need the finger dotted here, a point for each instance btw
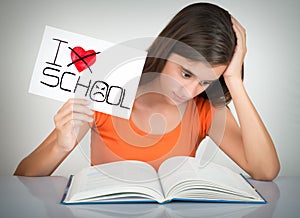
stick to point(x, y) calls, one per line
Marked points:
point(240, 33)
point(73, 124)
point(73, 117)
point(61, 119)
point(74, 105)
point(82, 109)
point(236, 22)
point(81, 117)
point(74, 101)
point(81, 101)
point(238, 28)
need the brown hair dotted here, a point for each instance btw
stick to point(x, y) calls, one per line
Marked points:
point(207, 29)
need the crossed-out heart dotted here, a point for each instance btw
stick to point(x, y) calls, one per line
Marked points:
point(82, 59)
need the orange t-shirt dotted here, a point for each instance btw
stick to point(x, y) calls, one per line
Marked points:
point(114, 139)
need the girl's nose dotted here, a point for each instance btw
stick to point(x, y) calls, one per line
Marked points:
point(191, 89)
point(194, 88)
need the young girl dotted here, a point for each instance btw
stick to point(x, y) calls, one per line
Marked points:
point(178, 103)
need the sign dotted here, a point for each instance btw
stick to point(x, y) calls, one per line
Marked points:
point(70, 65)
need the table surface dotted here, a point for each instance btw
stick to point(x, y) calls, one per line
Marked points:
point(41, 196)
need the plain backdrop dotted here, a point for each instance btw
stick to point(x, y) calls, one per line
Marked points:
point(271, 66)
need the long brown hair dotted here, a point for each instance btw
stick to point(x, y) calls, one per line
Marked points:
point(207, 29)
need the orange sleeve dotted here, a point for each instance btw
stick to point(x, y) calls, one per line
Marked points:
point(99, 119)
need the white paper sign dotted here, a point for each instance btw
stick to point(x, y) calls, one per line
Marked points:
point(70, 65)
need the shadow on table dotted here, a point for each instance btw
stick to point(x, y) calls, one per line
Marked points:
point(48, 191)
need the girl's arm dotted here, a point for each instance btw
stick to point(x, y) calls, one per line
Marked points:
point(71, 124)
point(249, 144)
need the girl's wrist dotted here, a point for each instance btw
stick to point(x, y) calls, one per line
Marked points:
point(62, 150)
point(235, 85)
point(233, 81)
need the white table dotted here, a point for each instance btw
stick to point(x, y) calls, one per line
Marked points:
point(40, 197)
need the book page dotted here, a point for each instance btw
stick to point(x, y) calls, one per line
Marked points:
point(183, 177)
point(116, 180)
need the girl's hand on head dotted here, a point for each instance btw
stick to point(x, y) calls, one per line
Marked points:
point(234, 68)
point(73, 116)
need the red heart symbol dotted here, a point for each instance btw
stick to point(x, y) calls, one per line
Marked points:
point(82, 59)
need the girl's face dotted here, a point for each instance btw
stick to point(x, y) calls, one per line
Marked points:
point(182, 79)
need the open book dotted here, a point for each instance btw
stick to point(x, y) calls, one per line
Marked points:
point(179, 178)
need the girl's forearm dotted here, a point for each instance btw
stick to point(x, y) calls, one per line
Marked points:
point(258, 145)
point(43, 160)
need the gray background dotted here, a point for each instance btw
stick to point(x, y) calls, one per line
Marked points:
point(272, 66)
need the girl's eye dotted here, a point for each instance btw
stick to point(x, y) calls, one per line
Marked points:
point(204, 83)
point(185, 74)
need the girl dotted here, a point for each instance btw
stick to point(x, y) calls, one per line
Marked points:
point(193, 70)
